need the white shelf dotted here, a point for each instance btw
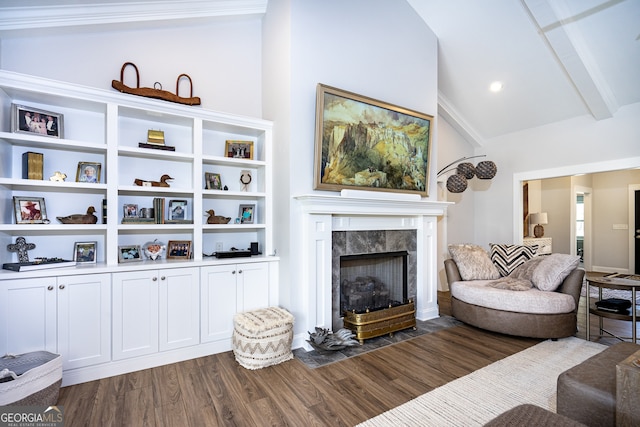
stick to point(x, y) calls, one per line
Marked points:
point(42, 185)
point(105, 126)
point(35, 141)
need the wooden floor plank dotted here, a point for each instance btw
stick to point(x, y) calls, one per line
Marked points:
point(216, 391)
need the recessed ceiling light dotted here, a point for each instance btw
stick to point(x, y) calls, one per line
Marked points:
point(496, 87)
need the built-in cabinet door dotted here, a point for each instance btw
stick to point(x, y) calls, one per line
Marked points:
point(28, 315)
point(227, 290)
point(84, 320)
point(179, 314)
point(135, 313)
point(253, 286)
point(218, 302)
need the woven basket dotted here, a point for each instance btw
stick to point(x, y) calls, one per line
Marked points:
point(30, 379)
point(456, 183)
point(467, 169)
point(486, 169)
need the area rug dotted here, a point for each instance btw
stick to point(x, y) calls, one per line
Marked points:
point(529, 376)
point(316, 359)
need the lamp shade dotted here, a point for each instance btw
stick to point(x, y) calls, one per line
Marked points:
point(456, 183)
point(467, 169)
point(539, 218)
point(486, 169)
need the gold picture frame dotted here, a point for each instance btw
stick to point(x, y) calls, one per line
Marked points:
point(89, 172)
point(239, 149)
point(365, 144)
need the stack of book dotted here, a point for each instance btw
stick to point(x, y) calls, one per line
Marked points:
point(158, 210)
point(155, 140)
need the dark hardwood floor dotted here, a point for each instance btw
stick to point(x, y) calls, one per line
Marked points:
point(215, 390)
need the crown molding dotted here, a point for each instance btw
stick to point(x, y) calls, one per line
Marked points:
point(57, 16)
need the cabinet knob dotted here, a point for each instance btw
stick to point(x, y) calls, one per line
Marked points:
point(233, 272)
point(49, 288)
point(61, 286)
point(239, 271)
point(162, 278)
point(155, 279)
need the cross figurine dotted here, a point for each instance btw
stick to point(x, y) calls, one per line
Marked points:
point(21, 247)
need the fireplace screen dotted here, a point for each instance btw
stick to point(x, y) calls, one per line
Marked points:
point(370, 282)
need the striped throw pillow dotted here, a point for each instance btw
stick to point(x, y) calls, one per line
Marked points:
point(507, 257)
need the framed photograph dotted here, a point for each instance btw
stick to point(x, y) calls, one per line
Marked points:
point(177, 210)
point(85, 252)
point(179, 249)
point(213, 180)
point(88, 172)
point(35, 121)
point(30, 210)
point(129, 253)
point(246, 213)
point(365, 144)
point(239, 149)
point(130, 211)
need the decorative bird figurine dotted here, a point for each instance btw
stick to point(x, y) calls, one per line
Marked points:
point(216, 219)
point(162, 183)
point(88, 218)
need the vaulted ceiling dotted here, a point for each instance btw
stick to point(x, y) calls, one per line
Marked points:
point(556, 59)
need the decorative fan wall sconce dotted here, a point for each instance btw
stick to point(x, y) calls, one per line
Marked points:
point(457, 182)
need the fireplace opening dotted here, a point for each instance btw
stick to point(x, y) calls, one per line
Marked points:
point(373, 281)
point(373, 294)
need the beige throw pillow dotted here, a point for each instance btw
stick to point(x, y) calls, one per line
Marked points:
point(473, 262)
point(547, 272)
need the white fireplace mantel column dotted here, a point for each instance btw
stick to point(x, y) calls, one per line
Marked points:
point(321, 215)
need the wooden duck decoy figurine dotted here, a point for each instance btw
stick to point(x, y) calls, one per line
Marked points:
point(162, 183)
point(88, 218)
point(216, 219)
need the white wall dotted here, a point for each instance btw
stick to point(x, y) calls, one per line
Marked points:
point(564, 146)
point(223, 59)
point(377, 48)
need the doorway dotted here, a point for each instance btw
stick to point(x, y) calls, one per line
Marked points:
point(581, 217)
point(634, 224)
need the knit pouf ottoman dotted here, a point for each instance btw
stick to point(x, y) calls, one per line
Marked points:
point(262, 337)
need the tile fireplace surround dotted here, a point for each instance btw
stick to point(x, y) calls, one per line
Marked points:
point(351, 211)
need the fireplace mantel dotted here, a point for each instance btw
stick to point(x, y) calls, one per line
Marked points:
point(323, 214)
point(385, 204)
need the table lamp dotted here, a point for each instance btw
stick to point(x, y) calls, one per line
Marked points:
point(538, 219)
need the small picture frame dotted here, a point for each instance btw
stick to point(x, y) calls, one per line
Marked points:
point(179, 249)
point(213, 181)
point(30, 210)
point(85, 252)
point(178, 210)
point(88, 172)
point(129, 253)
point(246, 213)
point(36, 122)
point(239, 149)
point(130, 211)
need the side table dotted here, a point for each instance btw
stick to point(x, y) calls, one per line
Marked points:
point(608, 281)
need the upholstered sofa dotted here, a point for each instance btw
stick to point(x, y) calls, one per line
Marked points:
point(534, 296)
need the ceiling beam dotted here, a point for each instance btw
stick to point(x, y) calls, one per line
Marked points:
point(447, 111)
point(573, 54)
point(23, 18)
